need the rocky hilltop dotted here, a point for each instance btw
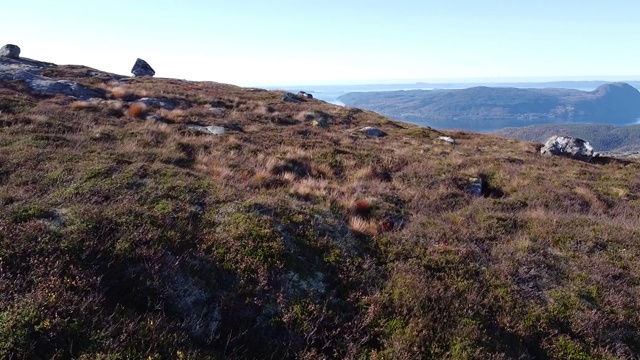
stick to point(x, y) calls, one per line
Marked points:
point(492, 108)
point(155, 218)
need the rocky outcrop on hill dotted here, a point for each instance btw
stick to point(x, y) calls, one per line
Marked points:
point(142, 68)
point(10, 51)
point(567, 146)
point(30, 71)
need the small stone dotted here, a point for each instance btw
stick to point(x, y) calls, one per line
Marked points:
point(373, 132)
point(209, 130)
point(305, 95)
point(289, 97)
point(10, 51)
point(447, 139)
point(142, 68)
point(476, 186)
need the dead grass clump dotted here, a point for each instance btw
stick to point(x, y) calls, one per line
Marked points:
point(310, 187)
point(175, 115)
point(372, 173)
point(360, 226)
point(136, 110)
point(79, 105)
point(119, 92)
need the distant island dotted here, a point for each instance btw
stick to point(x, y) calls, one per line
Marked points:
point(485, 108)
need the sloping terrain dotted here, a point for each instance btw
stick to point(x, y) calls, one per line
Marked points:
point(491, 108)
point(126, 233)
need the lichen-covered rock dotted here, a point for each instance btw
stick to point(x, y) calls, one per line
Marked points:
point(570, 147)
point(209, 130)
point(289, 97)
point(62, 87)
point(447, 139)
point(157, 103)
point(373, 132)
point(476, 186)
point(305, 95)
point(10, 51)
point(142, 68)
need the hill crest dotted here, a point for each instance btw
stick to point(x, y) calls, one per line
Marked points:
point(126, 232)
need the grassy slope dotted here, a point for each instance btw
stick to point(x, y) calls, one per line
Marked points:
point(130, 238)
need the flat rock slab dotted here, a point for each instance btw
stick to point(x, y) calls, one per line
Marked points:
point(209, 130)
point(30, 72)
point(158, 103)
point(447, 139)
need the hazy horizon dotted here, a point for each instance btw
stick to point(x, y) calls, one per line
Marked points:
point(515, 80)
point(287, 42)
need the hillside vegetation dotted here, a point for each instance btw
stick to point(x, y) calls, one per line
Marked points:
point(491, 108)
point(125, 234)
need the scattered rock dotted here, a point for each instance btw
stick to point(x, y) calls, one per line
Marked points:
point(569, 147)
point(305, 95)
point(54, 219)
point(209, 130)
point(373, 132)
point(476, 186)
point(157, 103)
point(289, 97)
point(621, 154)
point(447, 139)
point(64, 87)
point(322, 122)
point(142, 68)
point(218, 112)
point(10, 51)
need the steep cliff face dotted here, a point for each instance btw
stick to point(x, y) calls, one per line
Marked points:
point(161, 218)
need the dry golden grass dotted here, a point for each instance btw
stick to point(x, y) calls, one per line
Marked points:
point(361, 226)
point(119, 92)
point(136, 110)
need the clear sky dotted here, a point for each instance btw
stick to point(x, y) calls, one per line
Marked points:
point(282, 42)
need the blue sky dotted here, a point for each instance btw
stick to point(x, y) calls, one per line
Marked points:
point(282, 42)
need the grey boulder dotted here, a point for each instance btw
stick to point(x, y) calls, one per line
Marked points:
point(289, 97)
point(476, 186)
point(570, 147)
point(373, 132)
point(142, 68)
point(10, 51)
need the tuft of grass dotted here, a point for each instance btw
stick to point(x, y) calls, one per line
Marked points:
point(136, 110)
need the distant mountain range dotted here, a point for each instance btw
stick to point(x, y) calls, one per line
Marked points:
point(486, 108)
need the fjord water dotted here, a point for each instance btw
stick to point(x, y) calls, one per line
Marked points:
point(330, 93)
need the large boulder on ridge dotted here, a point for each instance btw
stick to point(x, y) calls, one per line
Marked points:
point(10, 51)
point(142, 68)
point(574, 148)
